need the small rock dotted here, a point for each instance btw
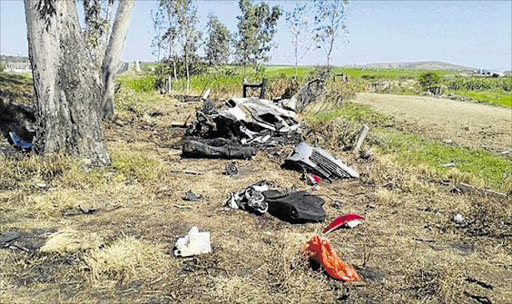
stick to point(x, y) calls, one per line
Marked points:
point(458, 219)
point(447, 141)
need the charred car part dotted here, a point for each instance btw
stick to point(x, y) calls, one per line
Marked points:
point(216, 149)
point(319, 162)
point(250, 121)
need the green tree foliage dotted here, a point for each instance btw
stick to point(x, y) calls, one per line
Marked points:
point(429, 79)
point(329, 24)
point(181, 34)
point(298, 21)
point(159, 27)
point(217, 45)
point(256, 29)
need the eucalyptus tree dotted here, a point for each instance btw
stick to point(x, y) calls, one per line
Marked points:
point(257, 26)
point(70, 90)
point(330, 17)
point(218, 41)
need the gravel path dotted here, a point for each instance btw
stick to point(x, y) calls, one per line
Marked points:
point(467, 124)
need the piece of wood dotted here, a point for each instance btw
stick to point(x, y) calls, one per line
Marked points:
point(169, 85)
point(177, 124)
point(191, 172)
point(205, 94)
point(360, 138)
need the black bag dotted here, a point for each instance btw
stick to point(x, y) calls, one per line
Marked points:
point(295, 207)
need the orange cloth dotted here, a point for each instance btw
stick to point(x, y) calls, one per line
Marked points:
point(321, 251)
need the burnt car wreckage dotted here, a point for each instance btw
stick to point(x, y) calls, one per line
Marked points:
point(243, 126)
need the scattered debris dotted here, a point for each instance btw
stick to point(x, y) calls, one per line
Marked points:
point(319, 162)
point(350, 220)
point(320, 250)
point(20, 143)
point(194, 243)
point(191, 172)
point(250, 199)
point(311, 180)
point(294, 207)
point(182, 206)
point(336, 205)
point(190, 196)
point(458, 219)
point(360, 138)
point(231, 169)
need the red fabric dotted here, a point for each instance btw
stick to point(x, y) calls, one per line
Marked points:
point(321, 251)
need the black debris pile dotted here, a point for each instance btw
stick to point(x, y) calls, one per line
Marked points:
point(243, 126)
point(293, 207)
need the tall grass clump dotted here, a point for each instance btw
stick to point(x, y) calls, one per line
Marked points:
point(480, 83)
point(145, 83)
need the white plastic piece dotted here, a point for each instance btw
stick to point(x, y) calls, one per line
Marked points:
point(353, 223)
point(458, 219)
point(194, 243)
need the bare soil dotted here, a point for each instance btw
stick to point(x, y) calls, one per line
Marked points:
point(464, 123)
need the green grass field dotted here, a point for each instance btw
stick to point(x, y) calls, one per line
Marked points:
point(478, 166)
point(495, 97)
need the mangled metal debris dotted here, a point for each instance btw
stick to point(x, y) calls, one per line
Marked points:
point(250, 199)
point(319, 162)
point(244, 124)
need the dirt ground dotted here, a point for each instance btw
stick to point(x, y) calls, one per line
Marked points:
point(408, 250)
point(468, 124)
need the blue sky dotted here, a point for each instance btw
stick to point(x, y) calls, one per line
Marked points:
point(471, 33)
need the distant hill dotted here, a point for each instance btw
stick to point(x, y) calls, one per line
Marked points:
point(420, 65)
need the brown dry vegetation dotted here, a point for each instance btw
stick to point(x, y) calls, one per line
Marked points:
point(407, 251)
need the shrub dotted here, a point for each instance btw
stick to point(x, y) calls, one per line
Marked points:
point(429, 79)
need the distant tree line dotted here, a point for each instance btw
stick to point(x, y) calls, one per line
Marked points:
point(178, 39)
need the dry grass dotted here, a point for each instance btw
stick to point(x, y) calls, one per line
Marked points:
point(407, 251)
point(69, 240)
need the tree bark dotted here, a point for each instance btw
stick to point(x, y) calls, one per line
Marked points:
point(113, 55)
point(188, 72)
point(67, 94)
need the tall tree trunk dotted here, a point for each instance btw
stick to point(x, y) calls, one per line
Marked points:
point(188, 72)
point(66, 91)
point(113, 55)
